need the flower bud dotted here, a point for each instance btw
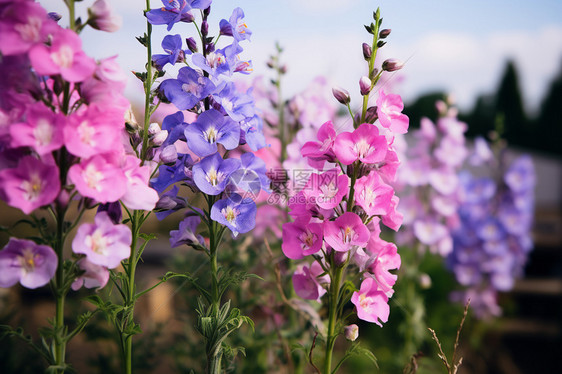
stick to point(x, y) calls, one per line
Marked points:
point(54, 16)
point(102, 17)
point(384, 33)
point(367, 51)
point(371, 115)
point(169, 154)
point(351, 332)
point(191, 44)
point(365, 85)
point(153, 129)
point(374, 73)
point(283, 69)
point(159, 138)
point(381, 43)
point(206, 11)
point(210, 47)
point(425, 281)
point(341, 95)
point(113, 211)
point(204, 28)
point(392, 65)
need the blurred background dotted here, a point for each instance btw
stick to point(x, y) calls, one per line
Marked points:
point(489, 57)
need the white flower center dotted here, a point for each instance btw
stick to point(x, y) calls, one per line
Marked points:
point(93, 177)
point(63, 57)
point(362, 148)
point(210, 135)
point(43, 132)
point(307, 239)
point(97, 242)
point(28, 260)
point(230, 214)
point(29, 31)
point(32, 188)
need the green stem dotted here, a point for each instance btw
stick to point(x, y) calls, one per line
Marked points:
point(351, 199)
point(147, 86)
point(332, 318)
point(71, 15)
point(130, 295)
point(374, 49)
point(60, 294)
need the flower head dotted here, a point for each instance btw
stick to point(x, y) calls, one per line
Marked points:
point(24, 261)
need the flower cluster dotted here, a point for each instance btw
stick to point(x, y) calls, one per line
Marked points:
point(493, 240)
point(61, 127)
point(196, 154)
point(338, 218)
point(430, 185)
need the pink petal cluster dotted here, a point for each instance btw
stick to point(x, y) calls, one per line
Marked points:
point(339, 210)
point(82, 138)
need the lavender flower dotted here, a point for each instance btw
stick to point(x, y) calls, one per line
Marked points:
point(28, 263)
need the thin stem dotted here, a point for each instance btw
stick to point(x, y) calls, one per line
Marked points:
point(351, 198)
point(147, 86)
point(374, 49)
point(332, 318)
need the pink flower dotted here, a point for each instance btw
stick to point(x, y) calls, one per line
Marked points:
point(42, 131)
point(373, 195)
point(138, 194)
point(92, 132)
point(102, 17)
point(394, 218)
point(371, 303)
point(64, 56)
point(323, 149)
point(95, 276)
point(364, 144)
point(389, 111)
point(387, 258)
point(429, 231)
point(109, 71)
point(103, 243)
point(99, 178)
point(345, 232)
point(28, 263)
point(301, 238)
point(30, 185)
point(327, 189)
point(307, 283)
point(22, 25)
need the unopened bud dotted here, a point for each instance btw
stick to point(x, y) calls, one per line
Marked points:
point(365, 85)
point(210, 47)
point(283, 69)
point(207, 11)
point(374, 73)
point(54, 16)
point(102, 17)
point(384, 33)
point(381, 43)
point(392, 65)
point(367, 51)
point(351, 332)
point(160, 137)
point(204, 28)
point(169, 154)
point(191, 44)
point(153, 129)
point(425, 281)
point(341, 95)
point(371, 115)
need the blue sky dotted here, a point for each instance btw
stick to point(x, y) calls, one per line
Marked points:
point(452, 45)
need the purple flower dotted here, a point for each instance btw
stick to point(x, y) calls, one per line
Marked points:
point(30, 185)
point(186, 232)
point(172, 46)
point(188, 89)
point(212, 128)
point(239, 216)
point(252, 133)
point(175, 126)
point(235, 26)
point(172, 12)
point(211, 173)
point(238, 106)
point(520, 177)
point(24, 261)
point(169, 203)
point(221, 61)
point(102, 242)
point(168, 175)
